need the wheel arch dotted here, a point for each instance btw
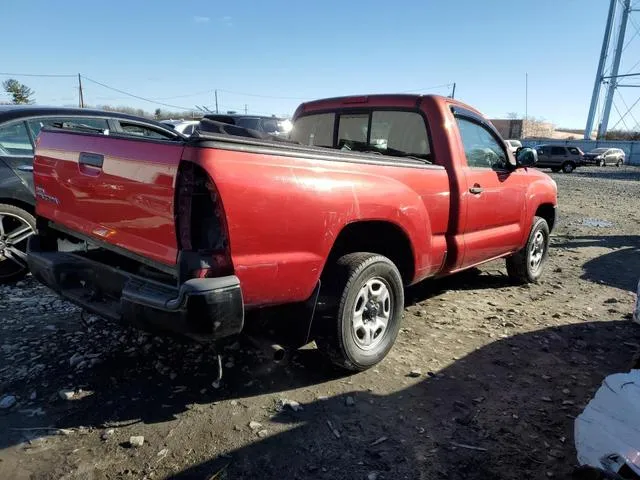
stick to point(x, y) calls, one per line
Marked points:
point(376, 236)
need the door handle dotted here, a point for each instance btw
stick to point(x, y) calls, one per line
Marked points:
point(91, 159)
point(25, 168)
point(476, 189)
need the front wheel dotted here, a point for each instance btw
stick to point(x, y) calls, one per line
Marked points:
point(363, 296)
point(619, 163)
point(16, 226)
point(568, 167)
point(527, 265)
point(602, 163)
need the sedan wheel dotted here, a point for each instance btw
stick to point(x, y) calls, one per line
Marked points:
point(16, 226)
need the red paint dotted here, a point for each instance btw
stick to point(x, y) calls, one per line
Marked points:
point(284, 213)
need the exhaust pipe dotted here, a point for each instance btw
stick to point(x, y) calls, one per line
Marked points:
point(276, 352)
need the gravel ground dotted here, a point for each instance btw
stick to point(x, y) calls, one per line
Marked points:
point(484, 381)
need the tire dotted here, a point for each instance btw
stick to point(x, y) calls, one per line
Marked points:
point(523, 266)
point(602, 163)
point(15, 221)
point(371, 285)
point(619, 163)
point(568, 167)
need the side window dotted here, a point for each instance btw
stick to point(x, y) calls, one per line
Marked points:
point(314, 130)
point(138, 130)
point(14, 139)
point(252, 123)
point(188, 129)
point(270, 126)
point(71, 123)
point(558, 151)
point(353, 128)
point(481, 148)
point(574, 151)
point(401, 133)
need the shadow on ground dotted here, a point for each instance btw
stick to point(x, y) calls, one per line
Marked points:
point(619, 268)
point(503, 411)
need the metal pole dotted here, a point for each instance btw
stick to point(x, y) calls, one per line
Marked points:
point(216, 92)
point(600, 72)
point(614, 69)
point(453, 92)
point(526, 96)
point(80, 95)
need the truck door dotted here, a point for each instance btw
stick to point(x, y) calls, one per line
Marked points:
point(495, 194)
point(117, 189)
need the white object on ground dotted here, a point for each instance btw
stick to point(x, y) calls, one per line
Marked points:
point(607, 432)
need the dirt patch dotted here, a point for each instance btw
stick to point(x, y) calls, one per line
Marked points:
point(484, 381)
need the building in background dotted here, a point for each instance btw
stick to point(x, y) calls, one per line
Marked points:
point(518, 129)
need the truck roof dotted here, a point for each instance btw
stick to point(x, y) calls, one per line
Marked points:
point(377, 100)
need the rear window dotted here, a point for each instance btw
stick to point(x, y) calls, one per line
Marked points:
point(14, 139)
point(389, 132)
point(314, 130)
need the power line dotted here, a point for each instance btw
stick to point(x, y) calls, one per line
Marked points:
point(261, 96)
point(136, 96)
point(434, 87)
point(49, 75)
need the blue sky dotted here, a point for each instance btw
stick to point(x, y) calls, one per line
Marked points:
point(282, 52)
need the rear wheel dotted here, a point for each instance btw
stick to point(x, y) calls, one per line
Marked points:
point(527, 265)
point(363, 300)
point(16, 226)
point(568, 167)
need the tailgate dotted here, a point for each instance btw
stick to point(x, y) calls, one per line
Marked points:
point(116, 190)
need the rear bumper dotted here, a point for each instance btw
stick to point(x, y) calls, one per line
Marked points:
point(203, 309)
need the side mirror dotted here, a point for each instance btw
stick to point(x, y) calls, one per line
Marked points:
point(526, 157)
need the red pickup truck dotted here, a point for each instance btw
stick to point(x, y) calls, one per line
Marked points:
point(374, 193)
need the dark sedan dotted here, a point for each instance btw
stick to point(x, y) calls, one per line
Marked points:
point(19, 127)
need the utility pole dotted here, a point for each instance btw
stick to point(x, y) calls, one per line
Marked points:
point(80, 96)
point(245, 108)
point(216, 93)
point(453, 91)
point(613, 81)
point(526, 104)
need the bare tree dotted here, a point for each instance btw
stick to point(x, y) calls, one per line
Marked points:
point(20, 93)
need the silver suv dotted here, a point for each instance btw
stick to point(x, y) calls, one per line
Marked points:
point(559, 157)
point(605, 156)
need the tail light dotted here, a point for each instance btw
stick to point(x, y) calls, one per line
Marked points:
point(201, 224)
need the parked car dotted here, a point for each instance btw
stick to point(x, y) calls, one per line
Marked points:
point(270, 125)
point(513, 145)
point(185, 127)
point(604, 156)
point(559, 157)
point(19, 127)
point(191, 234)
